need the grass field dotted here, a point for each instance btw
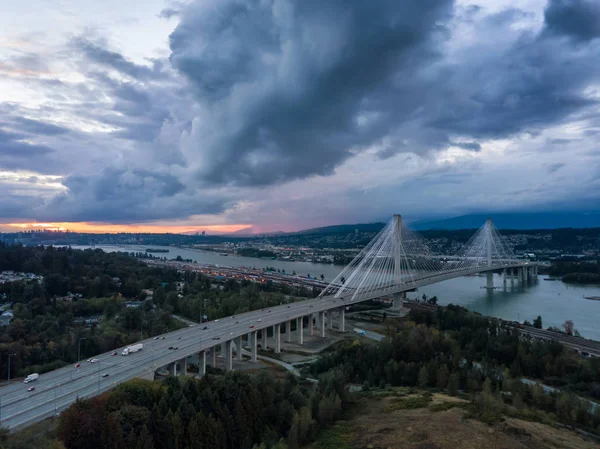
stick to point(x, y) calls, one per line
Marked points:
point(411, 419)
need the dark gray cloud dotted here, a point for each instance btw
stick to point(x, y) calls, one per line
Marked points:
point(97, 53)
point(289, 85)
point(37, 127)
point(120, 196)
point(293, 89)
point(579, 19)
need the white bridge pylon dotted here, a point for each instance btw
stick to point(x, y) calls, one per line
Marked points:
point(398, 258)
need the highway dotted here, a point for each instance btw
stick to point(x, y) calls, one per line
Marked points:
point(56, 390)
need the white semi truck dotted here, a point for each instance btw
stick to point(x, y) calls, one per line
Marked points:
point(133, 348)
point(31, 378)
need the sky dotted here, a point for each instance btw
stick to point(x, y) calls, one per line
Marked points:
point(280, 115)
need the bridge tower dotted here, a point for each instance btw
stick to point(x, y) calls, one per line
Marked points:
point(397, 298)
point(489, 239)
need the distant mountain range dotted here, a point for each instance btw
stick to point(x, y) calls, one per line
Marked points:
point(542, 220)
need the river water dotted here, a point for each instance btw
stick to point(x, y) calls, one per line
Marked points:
point(555, 301)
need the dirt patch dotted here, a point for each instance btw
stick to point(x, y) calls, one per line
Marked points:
point(379, 423)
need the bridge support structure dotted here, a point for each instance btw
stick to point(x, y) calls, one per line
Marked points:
point(265, 336)
point(300, 329)
point(342, 319)
point(277, 337)
point(228, 355)
point(330, 319)
point(183, 366)
point(202, 363)
point(288, 331)
point(172, 369)
point(238, 349)
point(213, 356)
point(311, 323)
point(322, 324)
point(253, 346)
point(489, 280)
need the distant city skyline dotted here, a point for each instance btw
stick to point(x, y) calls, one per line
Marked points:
point(282, 115)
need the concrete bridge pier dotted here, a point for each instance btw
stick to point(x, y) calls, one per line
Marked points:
point(330, 319)
point(172, 369)
point(238, 349)
point(489, 281)
point(322, 324)
point(504, 277)
point(183, 366)
point(202, 363)
point(288, 331)
point(253, 346)
point(300, 330)
point(264, 334)
point(311, 323)
point(228, 355)
point(512, 276)
point(342, 319)
point(213, 356)
point(277, 337)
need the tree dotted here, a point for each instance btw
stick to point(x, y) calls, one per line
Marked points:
point(322, 277)
point(423, 377)
point(453, 384)
point(568, 326)
point(537, 323)
point(442, 377)
point(433, 300)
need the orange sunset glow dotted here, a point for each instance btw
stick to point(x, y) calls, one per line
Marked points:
point(102, 228)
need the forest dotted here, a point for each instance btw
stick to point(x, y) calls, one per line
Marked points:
point(48, 332)
point(576, 271)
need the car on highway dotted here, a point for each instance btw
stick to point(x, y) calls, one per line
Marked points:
point(252, 326)
point(178, 338)
point(93, 360)
point(77, 365)
point(162, 338)
point(216, 321)
point(31, 389)
point(105, 375)
point(216, 338)
point(204, 328)
point(175, 348)
point(155, 338)
point(259, 320)
point(113, 353)
point(237, 322)
point(170, 347)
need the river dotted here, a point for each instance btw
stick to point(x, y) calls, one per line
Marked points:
point(555, 301)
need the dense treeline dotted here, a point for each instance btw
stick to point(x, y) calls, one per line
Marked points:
point(454, 349)
point(232, 411)
point(200, 297)
point(46, 330)
point(577, 272)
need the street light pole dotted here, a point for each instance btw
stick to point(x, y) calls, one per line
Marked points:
point(9, 356)
point(79, 348)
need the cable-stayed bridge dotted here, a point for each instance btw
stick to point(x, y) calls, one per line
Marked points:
point(397, 260)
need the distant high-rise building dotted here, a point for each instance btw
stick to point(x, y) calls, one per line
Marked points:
point(203, 233)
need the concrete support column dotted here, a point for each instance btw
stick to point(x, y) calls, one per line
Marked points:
point(299, 329)
point(322, 324)
point(172, 369)
point(288, 331)
point(228, 355)
point(512, 276)
point(330, 319)
point(489, 280)
point(202, 363)
point(311, 324)
point(264, 339)
point(183, 366)
point(504, 277)
point(213, 356)
point(253, 346)
point(277, 337)
point(238, 349)
point(342, 319)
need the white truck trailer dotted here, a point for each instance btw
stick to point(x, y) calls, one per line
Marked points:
point(133, 348)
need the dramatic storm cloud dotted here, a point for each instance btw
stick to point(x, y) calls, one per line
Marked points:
point(288, 114)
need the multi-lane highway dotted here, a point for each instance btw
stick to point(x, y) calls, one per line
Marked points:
point(57, 389)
